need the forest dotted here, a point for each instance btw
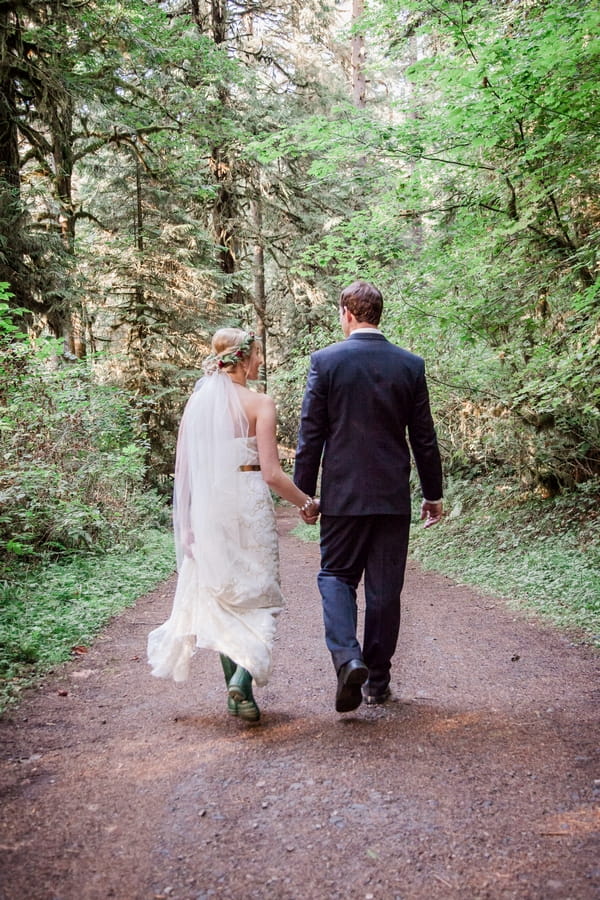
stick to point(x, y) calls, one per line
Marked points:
point(170, 167)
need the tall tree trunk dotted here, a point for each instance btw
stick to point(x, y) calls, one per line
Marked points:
point(413, 112)
point(9, 149)
point(218, 15)
point(138, 227)
point(359, 80)
point(225, 206)
point(224, 220)
point(258, 266)
point(67, 320)
point(20, 256)
point(11, 222)
point(139, 329)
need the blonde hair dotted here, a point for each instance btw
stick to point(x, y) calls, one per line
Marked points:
point(230, 347)
point(226, 340)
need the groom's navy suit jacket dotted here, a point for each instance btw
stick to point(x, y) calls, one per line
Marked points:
point(365, 400)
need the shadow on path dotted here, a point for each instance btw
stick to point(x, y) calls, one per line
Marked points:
point(477, 781)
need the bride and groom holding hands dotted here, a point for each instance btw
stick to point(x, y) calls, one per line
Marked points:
point(365, 408)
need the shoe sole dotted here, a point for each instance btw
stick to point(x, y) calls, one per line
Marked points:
point(248, 711)
point(378, 701)
point(350, 696)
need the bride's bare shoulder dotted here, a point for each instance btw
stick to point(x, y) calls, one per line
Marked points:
point(257, 404)
point(263, 403)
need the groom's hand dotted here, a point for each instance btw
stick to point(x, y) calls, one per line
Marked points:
point(311, 515)
point(432, 512)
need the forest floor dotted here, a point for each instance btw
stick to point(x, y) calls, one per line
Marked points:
point(477, 781)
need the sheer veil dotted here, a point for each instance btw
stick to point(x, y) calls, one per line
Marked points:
point(206, 500)
point(228, 593)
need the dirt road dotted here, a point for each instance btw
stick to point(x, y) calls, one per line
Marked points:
point(479, 781)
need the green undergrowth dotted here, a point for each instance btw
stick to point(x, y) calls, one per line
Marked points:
point(537, 554)
point(48, 610)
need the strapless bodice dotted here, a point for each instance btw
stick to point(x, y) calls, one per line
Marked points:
point(247, 451)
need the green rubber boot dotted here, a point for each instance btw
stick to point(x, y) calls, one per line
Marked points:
point(229, 668)
point(228, 665)
point(240, 692)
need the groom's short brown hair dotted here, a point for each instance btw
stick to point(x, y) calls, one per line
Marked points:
point(363, 300)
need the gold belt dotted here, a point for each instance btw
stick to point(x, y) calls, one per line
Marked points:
point(249, 468)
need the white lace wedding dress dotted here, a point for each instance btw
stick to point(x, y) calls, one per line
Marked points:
point(228, 593)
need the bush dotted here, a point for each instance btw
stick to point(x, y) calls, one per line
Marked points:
point(50, 612)
point(73, 454)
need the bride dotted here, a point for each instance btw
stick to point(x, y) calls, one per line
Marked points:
point(228, 592)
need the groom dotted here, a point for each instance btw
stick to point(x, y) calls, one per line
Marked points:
point(363, 397)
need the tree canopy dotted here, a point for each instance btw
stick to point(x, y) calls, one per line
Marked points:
point(168, 167)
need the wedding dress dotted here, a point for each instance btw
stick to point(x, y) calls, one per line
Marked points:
point(228, 592)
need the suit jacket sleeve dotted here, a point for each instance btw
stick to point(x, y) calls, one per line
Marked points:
point(313, 430)
point(424, 445)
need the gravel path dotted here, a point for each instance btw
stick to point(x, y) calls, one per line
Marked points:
point(478, 781)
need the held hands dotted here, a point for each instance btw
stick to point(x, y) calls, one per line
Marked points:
point(431, 512)
point(309, 513)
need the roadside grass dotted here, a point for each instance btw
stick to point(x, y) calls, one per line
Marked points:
point(541, 555)
point(50, 609)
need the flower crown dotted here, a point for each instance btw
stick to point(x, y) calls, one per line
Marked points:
point(233, 357)
point(230, 357)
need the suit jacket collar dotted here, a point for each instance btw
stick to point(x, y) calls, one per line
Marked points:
point(366, 336)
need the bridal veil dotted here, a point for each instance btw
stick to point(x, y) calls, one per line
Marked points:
point(228, 592)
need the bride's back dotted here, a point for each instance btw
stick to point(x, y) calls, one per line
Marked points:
point(252, 405)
